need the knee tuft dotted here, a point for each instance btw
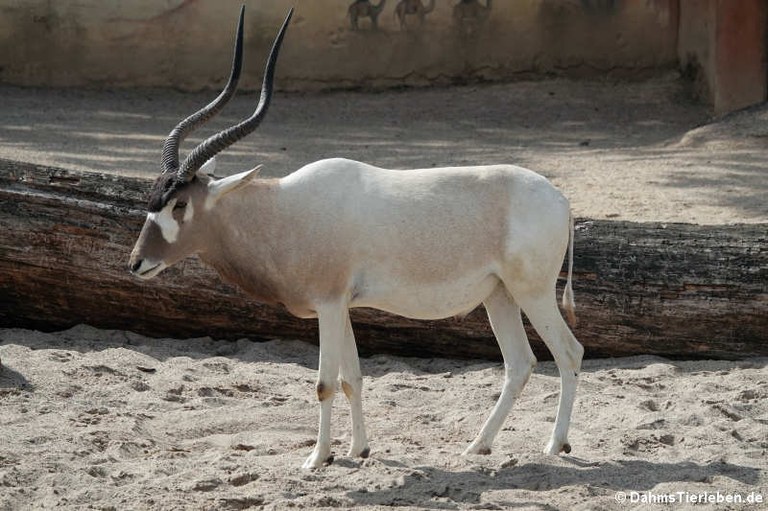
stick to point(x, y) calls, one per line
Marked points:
point(324, 391)
point(348, 390)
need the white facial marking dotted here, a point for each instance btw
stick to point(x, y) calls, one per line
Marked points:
point(189, 212)
point(169, 227)
point(210, 201)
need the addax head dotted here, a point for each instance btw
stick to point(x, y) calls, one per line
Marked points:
point(184, 193)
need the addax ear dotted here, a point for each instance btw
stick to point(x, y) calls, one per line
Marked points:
point(208, 167)
point(220, 187)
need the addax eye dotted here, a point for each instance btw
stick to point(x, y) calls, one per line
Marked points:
point(179, 205)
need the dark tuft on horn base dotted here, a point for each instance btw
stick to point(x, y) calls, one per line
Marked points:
point(165, 187)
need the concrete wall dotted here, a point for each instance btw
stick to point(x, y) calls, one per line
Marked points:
point(740, 56)
point(186, 43)
point(695, 52)
point(723, 48)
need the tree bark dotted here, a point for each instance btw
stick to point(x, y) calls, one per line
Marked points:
point(674, 290)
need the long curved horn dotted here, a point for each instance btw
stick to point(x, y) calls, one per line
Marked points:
point(220, 141)
point(179, 133)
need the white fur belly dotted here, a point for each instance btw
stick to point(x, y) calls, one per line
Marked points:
point(429, 301)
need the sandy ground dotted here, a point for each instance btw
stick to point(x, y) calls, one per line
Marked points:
point(113, 420)
point(618, 150)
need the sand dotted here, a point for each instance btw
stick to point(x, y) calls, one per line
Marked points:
point(112, 420)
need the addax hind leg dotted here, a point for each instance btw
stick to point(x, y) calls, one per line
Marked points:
point(507, 325)
point(545, 317)
point(352, 385)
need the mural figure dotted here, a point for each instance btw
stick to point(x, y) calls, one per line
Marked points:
point(600, 6)
point(410, 8)
point(468, 15)
point(365, 9)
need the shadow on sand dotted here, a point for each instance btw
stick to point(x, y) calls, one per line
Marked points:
point(432, 488)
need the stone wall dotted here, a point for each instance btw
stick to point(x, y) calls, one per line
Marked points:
point(186, 44)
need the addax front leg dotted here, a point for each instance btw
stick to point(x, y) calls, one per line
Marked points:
point(332, 323)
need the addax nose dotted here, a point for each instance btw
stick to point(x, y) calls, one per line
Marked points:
point(134, 266)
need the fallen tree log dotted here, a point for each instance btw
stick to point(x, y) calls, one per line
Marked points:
point(676, 290)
